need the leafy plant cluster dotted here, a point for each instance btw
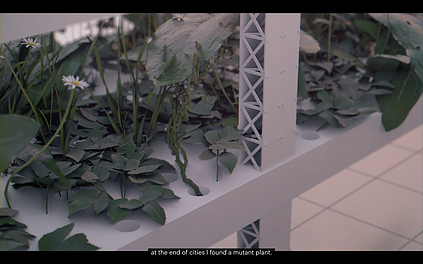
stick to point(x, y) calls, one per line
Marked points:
point(361, 55)
point(13, 237)
point(83, 141)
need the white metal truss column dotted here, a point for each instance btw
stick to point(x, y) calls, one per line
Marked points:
point(269, 46)
point(270, 231)
point(252, 39)
point(269, 49)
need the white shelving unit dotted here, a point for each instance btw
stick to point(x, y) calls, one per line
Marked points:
point(292, 160)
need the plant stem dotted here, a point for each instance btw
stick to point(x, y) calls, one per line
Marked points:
point(174, 139)
point(223, 90)
point(62, 122)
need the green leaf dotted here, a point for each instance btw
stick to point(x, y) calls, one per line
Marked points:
point(89, 176)
point(77, 242)
point(351, 111)
point(9, 222)
point(308, 44)
point(207, 154)
point(15, 133)
point(329, 117)
point(328, 66)
point(131, 164)
point(168, 194)
point(176, 39)
point(40, 169)
point(87, 114)
point(302, 83)
point(229, 134)
point(51, 241)
point(204, 106)
point(115, 212)
point(81, 200)
point(196, 137)
point(101, 203)
point(54, 241)
point(367, 26)
point(344, 121)
point(408, 31)
point(317, 74)
point(151, 194)
point(396, 106)
point(340, 101)
point(8, 212)
point(144, 169)
point(228, 160)
point(75, 154)
point(231, 121)
point(227, 145)
point(379, 91)
point(17, 235)
point(47, 159)
point(156, 178)
point(102, 172)
point(399, 57)
point(212, 136)
point(355, 93)
point(155, 211)
point(132, 204)
point(326, 102)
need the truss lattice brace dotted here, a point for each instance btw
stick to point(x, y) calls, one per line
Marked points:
point(269, 46)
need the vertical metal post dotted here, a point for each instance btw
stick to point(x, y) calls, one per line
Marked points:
point(269, 45)
point(269, 49)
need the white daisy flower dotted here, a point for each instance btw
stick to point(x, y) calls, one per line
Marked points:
point(72, 82)
point(179, 17)
point(30, 42)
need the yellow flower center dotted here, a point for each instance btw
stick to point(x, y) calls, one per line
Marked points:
point(76, 83)
point(32, 44)
point(181, 17)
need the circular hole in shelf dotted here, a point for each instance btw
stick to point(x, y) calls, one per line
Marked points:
point(127, 225)
point(170, 177)
point(203, 189)
point(310, 136)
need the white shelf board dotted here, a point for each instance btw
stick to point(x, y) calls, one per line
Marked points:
point(233, 202)
point(22, 25)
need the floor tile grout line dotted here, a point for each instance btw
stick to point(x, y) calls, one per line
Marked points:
point(400, 186)
point(411, 154)
point(373, 178)
point(404, 147)
point(352, 217)
point(412, 240)
point(373, 225)
point(324, 208)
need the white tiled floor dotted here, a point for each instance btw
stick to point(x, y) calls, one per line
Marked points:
point(375, 204)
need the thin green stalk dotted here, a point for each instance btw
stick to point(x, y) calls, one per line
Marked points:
point(389, 32)
point(214, 90)
point(223, 90)
point(27, 97)
point(101, 188)
point(62, 122)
